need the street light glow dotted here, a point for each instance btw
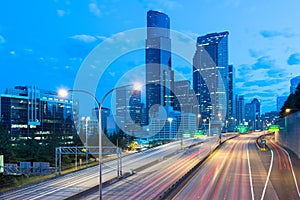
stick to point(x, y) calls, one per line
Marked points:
point(63, 93)
point(170, 119)
point(137, 86)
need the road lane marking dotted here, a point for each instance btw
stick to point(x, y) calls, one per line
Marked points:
point(295, 180)
point(284, 155)
point(268, 177)
point(278, 154)
point(250, 174)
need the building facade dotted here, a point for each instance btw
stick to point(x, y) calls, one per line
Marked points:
point(184, 96)
point(210, 75)
point(253, 115)
point(240, 109)
point(128, 110)
point(159, 73)
point(29, 112)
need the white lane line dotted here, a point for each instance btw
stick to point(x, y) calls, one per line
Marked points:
point(250, 174)
point(268, 177)
point(295, 180)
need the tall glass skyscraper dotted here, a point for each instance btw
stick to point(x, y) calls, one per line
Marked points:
point(210, 75)
point(159, 73)
point(128, 109)
point(252, 114)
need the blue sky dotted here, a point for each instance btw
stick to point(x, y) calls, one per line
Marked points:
point(44, 43)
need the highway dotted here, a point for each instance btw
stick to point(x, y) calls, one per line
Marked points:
point(235, 171)
point(65, 186)
point(150, 183)
point(283, 174)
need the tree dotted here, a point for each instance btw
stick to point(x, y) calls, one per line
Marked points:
point(292, 103)
point(6, 147)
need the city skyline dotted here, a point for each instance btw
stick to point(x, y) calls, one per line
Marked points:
point(262, 45)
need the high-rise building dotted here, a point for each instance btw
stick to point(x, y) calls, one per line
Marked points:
point(105, 113)
point(230, 104)
point(28, 112)
point(271, 117)
point(253, 115)
point(210, 75)
point(128, 109)
point(240, 109)
point(294, 83)
point(159, 73)
point(183, 96)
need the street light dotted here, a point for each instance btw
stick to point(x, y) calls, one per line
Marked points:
point(64, 93)
point(87, 119)
point(170, 119)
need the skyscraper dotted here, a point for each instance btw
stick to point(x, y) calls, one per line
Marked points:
point(159, 73)
point(184, 96)
point(240, 108)
point(252, 114)
point(230, 104)
point(210, 75)
point(128, 109)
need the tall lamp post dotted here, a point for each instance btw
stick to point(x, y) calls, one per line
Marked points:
point(64, 93)
point(170, 119)
point(87, 119)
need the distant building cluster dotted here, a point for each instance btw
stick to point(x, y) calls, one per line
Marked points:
point(187, 107)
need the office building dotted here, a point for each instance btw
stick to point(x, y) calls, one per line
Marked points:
point(128, 110)
point(184, 96)
point(105, 113)
point(231, 103)
point(210, 75)
point(240, 109)
point(253, 115)
point(176, 126)
point(159, 73)
point(29, 112)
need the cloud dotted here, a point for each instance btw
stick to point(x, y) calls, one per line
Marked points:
point(294, 59)
point(263, 63)
point(271, 34)
point(277, 73)
point(2, 40)
point(161, 4)
point(259, 94)
point(93, 8)
point(60, 13)
point(84, 38)
point(254, 53)
point(79, 46)
point(170, 4)
point(244, 70)
point(262, 83)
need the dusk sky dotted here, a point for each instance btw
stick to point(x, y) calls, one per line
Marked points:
point(44, 43)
